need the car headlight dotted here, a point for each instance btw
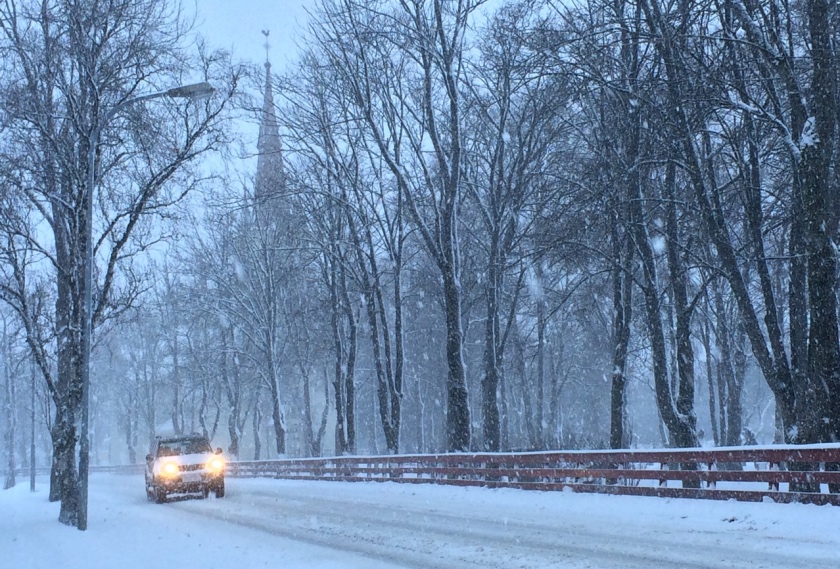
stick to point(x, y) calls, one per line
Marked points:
point(216, 464)
point(169, 469)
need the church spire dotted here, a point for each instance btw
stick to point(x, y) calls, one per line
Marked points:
point(270, 178)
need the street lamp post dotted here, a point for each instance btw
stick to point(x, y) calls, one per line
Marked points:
point(194, 92)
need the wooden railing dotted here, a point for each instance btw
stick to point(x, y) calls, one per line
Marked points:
point(808, 474)
point(23, 473)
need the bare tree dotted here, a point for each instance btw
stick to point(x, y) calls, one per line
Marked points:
point(9, 370)
point(515, 125)
point(406, 90)
point(365, 221)
point(71, 63)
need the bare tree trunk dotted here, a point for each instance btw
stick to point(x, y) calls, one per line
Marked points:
point(683, 311)
point(706, 333)
point(542, 324)
point(317, 448)
point(309, 442)
point(680, 432)
point(526, 414)
point(130, 431)
point(32, 401)
point(278, 419)
point(504, 409)
point(336, 311)
point(257, 425)
point(823, 411)
point(64, 464)
point(734, 406)
point(232, 388)
point(491, 428)
point(11, 407)
point(622, 316)
point(457, 402)
point(350, 369)
point(386, 395)
point(177, 394)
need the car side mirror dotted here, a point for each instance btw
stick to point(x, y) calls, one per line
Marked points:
point(219, 450)
point(150, 458)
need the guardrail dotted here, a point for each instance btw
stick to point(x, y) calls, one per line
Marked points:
point(746, 474)
point(806, 474)
point(120, 469)
point(112, 469)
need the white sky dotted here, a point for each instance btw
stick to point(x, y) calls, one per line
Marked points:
point(236, 25)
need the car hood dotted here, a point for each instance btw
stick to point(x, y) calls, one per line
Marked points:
point(183, 459)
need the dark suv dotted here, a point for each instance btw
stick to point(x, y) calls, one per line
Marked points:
point(183, 464)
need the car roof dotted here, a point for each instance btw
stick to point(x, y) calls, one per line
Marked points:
point(170, 439)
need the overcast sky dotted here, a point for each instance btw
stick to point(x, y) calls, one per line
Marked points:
point(236, 25)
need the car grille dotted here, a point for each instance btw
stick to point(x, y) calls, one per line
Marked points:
point(188, 467)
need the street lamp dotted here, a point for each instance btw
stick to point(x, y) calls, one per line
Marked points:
point(194, 92)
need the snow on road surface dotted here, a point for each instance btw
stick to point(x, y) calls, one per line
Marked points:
point(296, 524)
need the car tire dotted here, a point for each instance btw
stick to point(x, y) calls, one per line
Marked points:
point(205, 492)
point(150, 491)
point(220, 489)
point(160, 496)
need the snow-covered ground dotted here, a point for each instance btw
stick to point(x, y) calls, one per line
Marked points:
point(292, 524)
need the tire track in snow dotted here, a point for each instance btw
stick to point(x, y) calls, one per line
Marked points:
point(395, 528)
point(425, 537)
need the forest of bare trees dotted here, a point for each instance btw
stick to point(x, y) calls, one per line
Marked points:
point(520, 225)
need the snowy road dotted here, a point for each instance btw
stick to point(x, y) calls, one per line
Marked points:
point(377, 526)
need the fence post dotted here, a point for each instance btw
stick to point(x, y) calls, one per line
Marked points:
point(711, 484)
point(774, 486)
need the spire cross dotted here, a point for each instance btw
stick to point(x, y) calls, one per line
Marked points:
point(266, 45)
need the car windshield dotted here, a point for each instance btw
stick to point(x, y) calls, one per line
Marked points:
point(183, 446)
